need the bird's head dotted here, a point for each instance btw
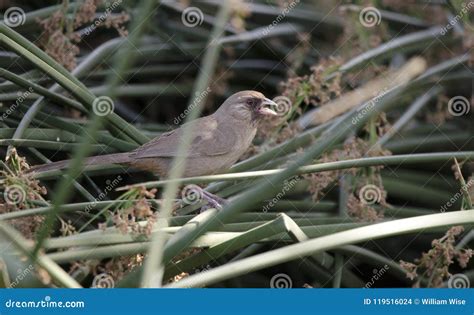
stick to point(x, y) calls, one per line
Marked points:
point(250, 106)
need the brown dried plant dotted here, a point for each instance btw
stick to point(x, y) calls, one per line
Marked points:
point(138, 216)
point(313, 89)
point(434, 264)
point(20, 190)
point(60, 36)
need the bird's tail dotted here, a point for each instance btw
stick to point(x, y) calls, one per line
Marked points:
point(116, 158)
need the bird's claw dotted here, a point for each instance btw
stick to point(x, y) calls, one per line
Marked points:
point(213, 201)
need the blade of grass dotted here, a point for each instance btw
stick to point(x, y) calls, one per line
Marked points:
point(57, 273)
point(401, 159)
point(408, 115)
point(264, 189)
point(358, 235)
point(153, 267)
point(40, 59)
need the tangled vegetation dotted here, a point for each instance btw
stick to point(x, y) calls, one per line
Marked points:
point(368, 169)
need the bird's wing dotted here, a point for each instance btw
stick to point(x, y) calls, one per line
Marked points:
point(208, 138)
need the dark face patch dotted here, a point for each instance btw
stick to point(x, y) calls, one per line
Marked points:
point(253, 103)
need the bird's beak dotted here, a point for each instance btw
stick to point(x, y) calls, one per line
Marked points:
point(265, 110)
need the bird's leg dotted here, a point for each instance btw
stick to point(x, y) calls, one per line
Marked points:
point(213, 200)
point(192, 194)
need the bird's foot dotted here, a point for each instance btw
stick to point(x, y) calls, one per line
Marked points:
point(192, 194)
point(213, 201)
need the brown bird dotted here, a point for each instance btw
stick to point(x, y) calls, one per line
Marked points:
point(218, 140)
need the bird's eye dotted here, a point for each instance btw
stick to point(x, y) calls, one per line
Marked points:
point(251, 102)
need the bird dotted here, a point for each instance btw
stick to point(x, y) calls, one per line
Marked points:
point(217, 141)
